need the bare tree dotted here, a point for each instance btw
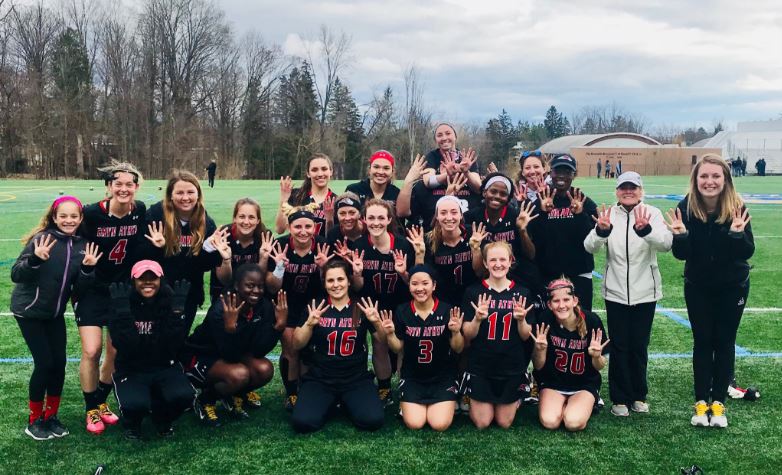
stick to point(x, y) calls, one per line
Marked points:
point(416, 118)
point(329, 59)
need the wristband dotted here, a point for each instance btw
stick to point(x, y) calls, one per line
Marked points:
point(433, 183)
point(279, 270)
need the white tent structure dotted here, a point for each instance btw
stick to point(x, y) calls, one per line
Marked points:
point(751, 141)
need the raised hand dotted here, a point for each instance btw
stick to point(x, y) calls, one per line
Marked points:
point(416, 170)
point(369, 309)
point(468, 159)
point(674, 221)
point(43, 246)
point(91, 255)
point(546, 196)
point(595, 347)
point(455, 320)
point(520, 308)
point(387, 322)
point(577, 199)
point(455, 183)
point(537, 183)
point(219, 240)
point(328, 208)
point(314, 312)
point(521, 191)
point(231, 308)
point(323, 255)
point(281, 311)
point(356, 260)
point(642, 216)
point(740, 220)
point(540, 337)
point(400, 261)
point(525, 215)
point(267, 243)
point(492, 168)
point(286, 188)
point(482, 307)
point(279, 254)
point(479, 233)
point(603, 219)
point(155, 234)
point(181, 289)
point(448, 163)
point(341, 248)
point(415, 236)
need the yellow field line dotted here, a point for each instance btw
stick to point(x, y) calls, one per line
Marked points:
point(5, 196)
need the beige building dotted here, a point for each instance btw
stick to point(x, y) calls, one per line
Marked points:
point(637, 152)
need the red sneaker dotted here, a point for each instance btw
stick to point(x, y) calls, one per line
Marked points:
point(106, 415)
point(94, 423)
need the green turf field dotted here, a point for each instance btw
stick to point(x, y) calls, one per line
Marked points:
point(659, 442)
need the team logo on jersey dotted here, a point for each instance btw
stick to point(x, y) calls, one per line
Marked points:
point(741, 302)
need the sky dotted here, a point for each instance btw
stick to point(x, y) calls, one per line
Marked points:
point(680, 62)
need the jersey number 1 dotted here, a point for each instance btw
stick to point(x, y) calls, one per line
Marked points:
point(506, 321)
point(117, 254)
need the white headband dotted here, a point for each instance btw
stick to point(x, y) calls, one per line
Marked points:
point(501, 179)
point(461, 203)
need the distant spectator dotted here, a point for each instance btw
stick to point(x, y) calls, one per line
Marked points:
point(608, 169)
point(211, 170)
point(599, 168)
point(618, 168)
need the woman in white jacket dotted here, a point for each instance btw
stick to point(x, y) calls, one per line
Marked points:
point(632, 234)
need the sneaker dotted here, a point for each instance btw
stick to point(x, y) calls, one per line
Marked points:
point(718, 417)
point(385, 397)
point(108, 417)
point(94, 423)
point(253, 400)
point(620, 410)
point(165, 431)
point(235, 406)
point(640, 407)
point(534, 394)
point(600, 403)
point(290, 402)
point(735, 391)
point(55, 427)
point(701, 417)
point(38, 430)
point(133, 434)
point(207, 413)
point(464, 404)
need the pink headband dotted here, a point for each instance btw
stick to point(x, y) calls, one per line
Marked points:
point(63, 199)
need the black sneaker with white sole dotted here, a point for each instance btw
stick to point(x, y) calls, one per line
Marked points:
point(38, 430)
point(55, 427)
point(206, 413)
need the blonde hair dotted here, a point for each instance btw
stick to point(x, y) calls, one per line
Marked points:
point(727, 202)
point(116, 166)
point(436, 234)
point(563, 283)
point(172, 229)
point(287, 209)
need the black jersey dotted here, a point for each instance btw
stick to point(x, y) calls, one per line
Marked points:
point(497, 350)
point(119, 239)
point(381, 282)
point(239, 255)
point(335, 234)
point(363, 190)
point(320, 214)
point(427, 342)
point(302, 280)
point(435, 157)
point(568, 364)
point(337, 351)
point(454, 270)
point(525, 270)
point(423, 202)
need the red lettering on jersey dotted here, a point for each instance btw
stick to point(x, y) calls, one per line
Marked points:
point(185, 241)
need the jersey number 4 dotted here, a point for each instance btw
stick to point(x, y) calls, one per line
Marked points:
point(346, 345)
point(576, 362)
point(118, 252)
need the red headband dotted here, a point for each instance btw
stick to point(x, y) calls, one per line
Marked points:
point(63, 199)
point(382, 154)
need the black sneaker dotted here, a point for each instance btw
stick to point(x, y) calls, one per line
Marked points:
point(55, 427)
point(386, 397)
point(206, 412)
point(290, 402)
point(165, 431)
point(252, 400)
point(38, 430)
point(133, 435)
point(235, 406)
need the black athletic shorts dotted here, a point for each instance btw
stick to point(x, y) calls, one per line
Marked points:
point(503, 390)
point(418, 392)
point(93, 309)
point(197, 367)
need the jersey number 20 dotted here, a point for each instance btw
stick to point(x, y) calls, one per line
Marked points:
point(576, 362)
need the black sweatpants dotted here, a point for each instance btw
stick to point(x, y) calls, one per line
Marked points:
point(584, 291)
point(358, 398)
point(165, 392)
point(715, 314)
point(629, 327)
point(211, 179)
point(46, 340)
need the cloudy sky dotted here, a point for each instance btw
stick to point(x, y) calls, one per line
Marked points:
point(676, 62)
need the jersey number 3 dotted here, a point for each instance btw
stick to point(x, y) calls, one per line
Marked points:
point(117, 254)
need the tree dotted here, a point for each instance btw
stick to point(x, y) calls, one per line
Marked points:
point(327, 58)
point(344, 131)
point(556, 123)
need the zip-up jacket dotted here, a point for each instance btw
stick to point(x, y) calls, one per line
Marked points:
point(43, 287)
point(632, 275)
point(150, 336)
point(714, 255)
point(559, 239)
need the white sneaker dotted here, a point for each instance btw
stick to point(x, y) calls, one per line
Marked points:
point(639, 406)
point(620, 410)
point(701, 417)
point(718, 417)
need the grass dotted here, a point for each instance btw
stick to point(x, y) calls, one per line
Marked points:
point(659, 442)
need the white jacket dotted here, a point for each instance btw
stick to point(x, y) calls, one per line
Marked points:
point(631, 275)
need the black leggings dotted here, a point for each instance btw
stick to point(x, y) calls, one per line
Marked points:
point(629, 327)
point(359, 399)
point(715, 314)
point(46, 340)
point(166, 393)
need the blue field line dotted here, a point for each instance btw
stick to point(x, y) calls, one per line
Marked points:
point(740, 350)
point(7, 262)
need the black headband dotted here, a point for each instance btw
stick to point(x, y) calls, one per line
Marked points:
point(300, 214)
point(422, 268)
point(111, 177)
point(346, 202)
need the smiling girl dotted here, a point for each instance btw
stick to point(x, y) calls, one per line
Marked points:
point(315, 191)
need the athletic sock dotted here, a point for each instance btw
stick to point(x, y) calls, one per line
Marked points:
point(91, 400)
point(52, 406)
point(104, 389)
point(36, 410)
point(384, 383)
point(291, 387)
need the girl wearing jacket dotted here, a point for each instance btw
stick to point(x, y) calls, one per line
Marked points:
point(54, 258)
point(632, 234)
point(148, 329)
point(712, 235)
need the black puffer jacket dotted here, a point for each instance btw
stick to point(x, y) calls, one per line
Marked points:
point(43, 287)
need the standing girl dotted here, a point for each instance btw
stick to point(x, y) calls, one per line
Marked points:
point(429, 334)
point(712, 235)
point(117, 226)
point(532, 175)
point(315, 190)
point(44, 274)
point(569, 381)
point(496, 329)
point(380, 180)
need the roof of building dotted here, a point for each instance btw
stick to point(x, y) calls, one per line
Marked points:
point(616, 139)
